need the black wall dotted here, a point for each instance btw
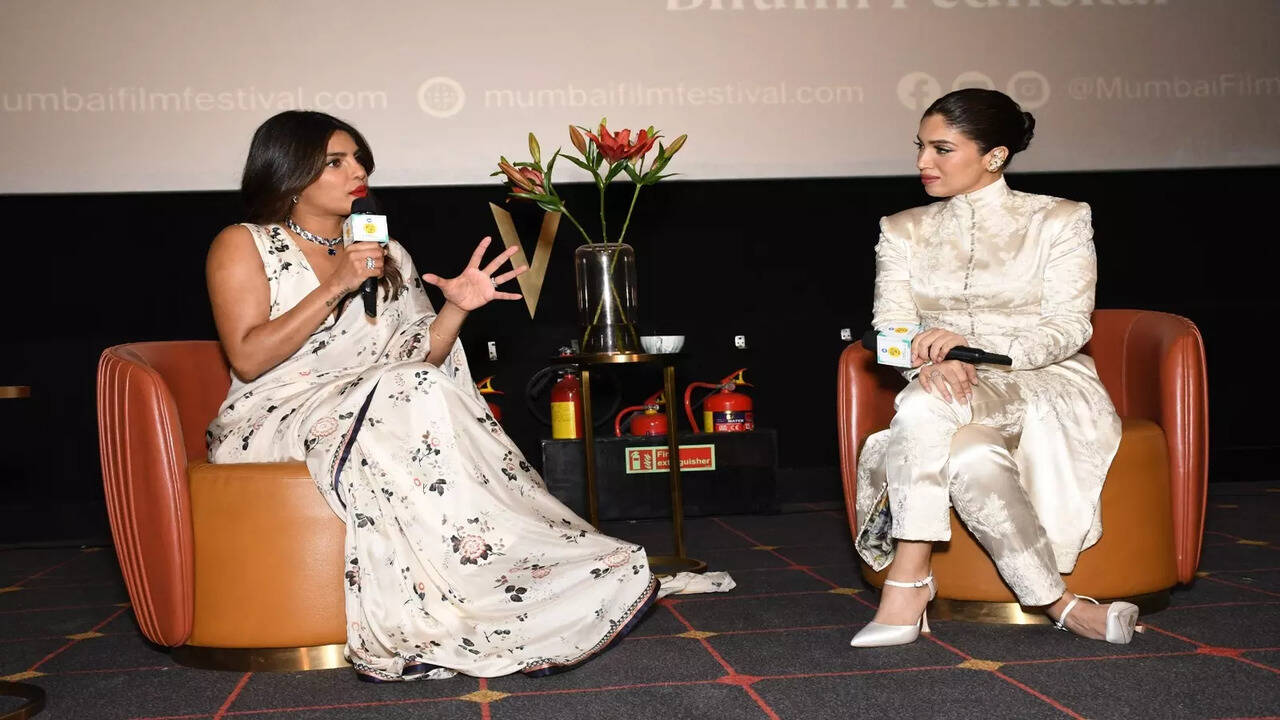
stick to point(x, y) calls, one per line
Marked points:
point(785, 262)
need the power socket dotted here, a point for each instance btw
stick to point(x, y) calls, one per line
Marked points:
point(846, 334)
point(740, 342)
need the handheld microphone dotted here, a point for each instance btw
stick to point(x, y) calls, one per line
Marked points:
point(365, 225)
point(893, 347)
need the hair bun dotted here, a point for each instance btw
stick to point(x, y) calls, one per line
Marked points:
point(1028, 131)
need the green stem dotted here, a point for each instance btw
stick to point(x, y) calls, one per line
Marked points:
point(565, 211)
point(604, 233)
point(626, 223)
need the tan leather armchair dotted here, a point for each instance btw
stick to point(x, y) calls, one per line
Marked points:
point(236, 566)
point(1153, 366)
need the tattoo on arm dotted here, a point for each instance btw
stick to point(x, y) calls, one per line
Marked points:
point(334, 300)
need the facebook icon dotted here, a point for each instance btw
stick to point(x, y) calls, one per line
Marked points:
point(917, 90)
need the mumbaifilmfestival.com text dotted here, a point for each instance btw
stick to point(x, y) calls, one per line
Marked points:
point(138, 99)
point(640, 94)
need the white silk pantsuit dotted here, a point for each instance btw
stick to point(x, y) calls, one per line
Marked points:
point(1023, 463)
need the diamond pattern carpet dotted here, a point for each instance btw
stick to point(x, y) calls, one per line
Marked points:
point(775, 647)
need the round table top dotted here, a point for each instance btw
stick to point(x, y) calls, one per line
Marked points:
point(618, 358)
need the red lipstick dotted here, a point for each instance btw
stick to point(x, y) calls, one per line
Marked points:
point(361, 191)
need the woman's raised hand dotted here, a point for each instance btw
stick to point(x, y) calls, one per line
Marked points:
point(359, 261)
point(932, 345)
point(475, 287)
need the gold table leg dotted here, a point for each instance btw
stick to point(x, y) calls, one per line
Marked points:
point(660, 564)
point(672, 564)
point(589, 447)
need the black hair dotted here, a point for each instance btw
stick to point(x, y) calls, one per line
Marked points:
point(988, 117)
point(287, 154)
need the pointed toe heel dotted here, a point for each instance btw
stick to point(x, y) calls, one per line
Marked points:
point(875, 634)
point(1122, 620)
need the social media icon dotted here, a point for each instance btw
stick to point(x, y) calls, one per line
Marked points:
point(973, 79)
point(917, 90)
point(1029, 88)
point(441, 97)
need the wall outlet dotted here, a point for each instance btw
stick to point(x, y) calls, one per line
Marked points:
point(493, 350)
point(740, 342)
point(846, 334)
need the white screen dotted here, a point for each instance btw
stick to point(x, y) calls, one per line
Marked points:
point(136, 96)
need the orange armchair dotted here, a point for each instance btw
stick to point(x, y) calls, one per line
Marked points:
point(236, 566)
point(1152, 364)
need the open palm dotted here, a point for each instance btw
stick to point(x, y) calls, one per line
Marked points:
point(474, 287)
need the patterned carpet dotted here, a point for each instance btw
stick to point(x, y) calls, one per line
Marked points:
point(776, 647)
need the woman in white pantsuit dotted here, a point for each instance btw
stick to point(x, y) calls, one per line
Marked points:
point(1020, 452)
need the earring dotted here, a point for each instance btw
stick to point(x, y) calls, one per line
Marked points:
point(295, 199)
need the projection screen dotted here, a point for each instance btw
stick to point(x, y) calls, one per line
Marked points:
point(131, 95)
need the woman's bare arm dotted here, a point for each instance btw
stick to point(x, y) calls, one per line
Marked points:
point(241, 300)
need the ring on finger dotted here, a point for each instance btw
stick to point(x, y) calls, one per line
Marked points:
point(368, 263)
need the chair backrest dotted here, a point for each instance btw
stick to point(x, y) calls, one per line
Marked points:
point(154, 401)
point(1153, 366)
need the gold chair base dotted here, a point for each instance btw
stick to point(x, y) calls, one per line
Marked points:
point(1011, 613)
point(667, 565)
point(316, 657)
point(33, 695)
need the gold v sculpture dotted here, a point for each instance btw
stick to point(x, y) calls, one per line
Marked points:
point(530, 282)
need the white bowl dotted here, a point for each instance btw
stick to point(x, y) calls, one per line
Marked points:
point(662, 343)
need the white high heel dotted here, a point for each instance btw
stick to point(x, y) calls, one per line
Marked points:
point(1122, 620)
point(875, 634)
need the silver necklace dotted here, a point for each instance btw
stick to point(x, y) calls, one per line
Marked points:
point(329, 243)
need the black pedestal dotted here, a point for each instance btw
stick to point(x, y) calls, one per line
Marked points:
point(744, 479)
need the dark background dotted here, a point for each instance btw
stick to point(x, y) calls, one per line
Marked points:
point(785, 262)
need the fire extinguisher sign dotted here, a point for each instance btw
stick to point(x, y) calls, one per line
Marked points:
point(657, 459)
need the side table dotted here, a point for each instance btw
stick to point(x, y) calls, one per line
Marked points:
point(660, 564)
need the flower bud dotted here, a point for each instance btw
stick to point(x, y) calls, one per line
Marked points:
point(579, 142)
point(516, 178)
point(534, 150)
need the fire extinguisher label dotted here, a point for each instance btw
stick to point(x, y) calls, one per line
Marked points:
point(658, 459)
point(732, 421)
point(564, 424)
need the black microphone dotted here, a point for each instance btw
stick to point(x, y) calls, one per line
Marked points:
point(364, 224)
point(973, 356)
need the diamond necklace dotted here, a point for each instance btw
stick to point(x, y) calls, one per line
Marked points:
point(329, 243)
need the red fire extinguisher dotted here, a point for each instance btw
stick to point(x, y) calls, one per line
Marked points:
point(485, 387)
point(723, 411)
point(566, 406)
point(651, 421)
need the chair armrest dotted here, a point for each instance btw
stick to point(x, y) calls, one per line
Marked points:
point(144, 478)
point(864, 396)
point(1154, 366)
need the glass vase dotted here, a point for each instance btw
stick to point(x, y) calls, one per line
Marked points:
point(606, 275)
